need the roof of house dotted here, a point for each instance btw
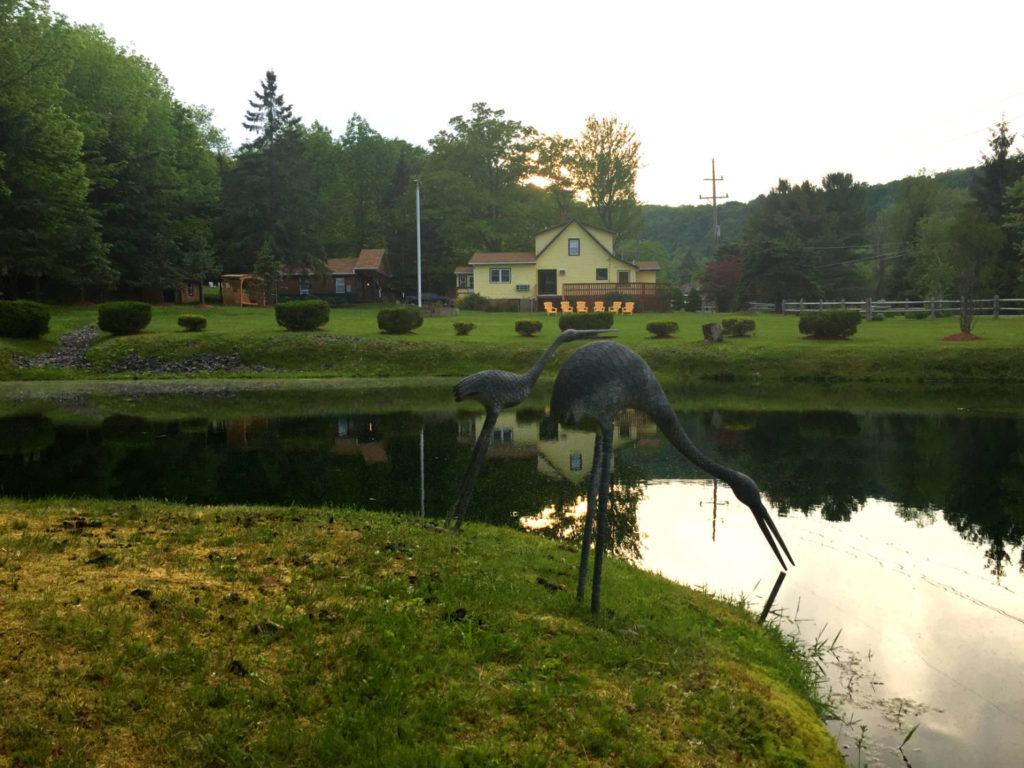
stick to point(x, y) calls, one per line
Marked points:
point(464, 270)
point(369, 259)
point(565, 224)
point(521, 257)
point(372, 259)
point(648, 265)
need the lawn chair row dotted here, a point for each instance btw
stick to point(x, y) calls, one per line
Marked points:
point(616, 307)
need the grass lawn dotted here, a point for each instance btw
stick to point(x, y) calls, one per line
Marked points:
point(893, 350)
point(142, 634)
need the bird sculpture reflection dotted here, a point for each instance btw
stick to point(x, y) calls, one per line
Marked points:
point(594, 384)
point(495, 391)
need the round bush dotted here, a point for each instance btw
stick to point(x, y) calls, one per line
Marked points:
point(192, 322)
point(463, 329)
point(738, 327)
point(585, 320)
point(306, 315)
point(123, 318)
point(22, 319)
point(473, 302)
point(832, 324)
point(662, 329)
point(528, 327)
point(396, 320)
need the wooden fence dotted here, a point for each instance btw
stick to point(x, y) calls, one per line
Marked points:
point(994, 306)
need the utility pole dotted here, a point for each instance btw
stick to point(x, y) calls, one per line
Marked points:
point(714, 201)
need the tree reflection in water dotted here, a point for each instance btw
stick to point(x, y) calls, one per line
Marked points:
point(969, 470)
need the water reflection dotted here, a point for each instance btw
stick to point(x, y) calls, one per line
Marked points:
point(907, 528)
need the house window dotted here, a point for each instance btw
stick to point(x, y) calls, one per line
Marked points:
point(623, 275)
point(574, 246)
point(191, 289)
point(465, 281)
point(341, 285)
point(501, 275)
point(602, 273)
point(303, 286)
point(502, 436)
point(575, 462)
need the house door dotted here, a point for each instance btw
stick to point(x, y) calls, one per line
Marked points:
point(547, 282)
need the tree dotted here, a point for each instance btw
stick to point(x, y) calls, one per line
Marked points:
point(774, 270)
point(603, 167)
point(269, 117)
point(976, 242)
point(721, 277)
point(998, 172)
point(46, 225)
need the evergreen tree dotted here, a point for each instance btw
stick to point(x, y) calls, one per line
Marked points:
point(270, 118)
point(997, 174)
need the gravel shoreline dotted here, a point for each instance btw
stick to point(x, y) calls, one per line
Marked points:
point(73, 347)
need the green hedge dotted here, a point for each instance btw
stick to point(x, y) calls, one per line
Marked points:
point(473, 302)
point(123, 318)
point(463, 329)
point(528, 327)
point(22, 319)
point(192, 322)
point(305, 315)
point(738, 327)
point(396, 320)
point(585, 320)
point(831, 324)
point(662, 329)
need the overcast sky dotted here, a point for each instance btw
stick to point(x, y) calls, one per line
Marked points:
point(769, 89)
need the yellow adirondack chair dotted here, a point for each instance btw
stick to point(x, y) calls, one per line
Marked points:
point(581, 306)
point(550, 308)
point(599, 306)
point(616, 306)
point(627, 308)
point(566, 306)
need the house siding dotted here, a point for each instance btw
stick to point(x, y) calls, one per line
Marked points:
point(521, 274)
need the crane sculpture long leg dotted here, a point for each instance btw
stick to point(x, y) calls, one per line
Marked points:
point(497, 390)
point(594, 384)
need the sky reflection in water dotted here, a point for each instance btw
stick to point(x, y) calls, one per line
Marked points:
point(921, 638)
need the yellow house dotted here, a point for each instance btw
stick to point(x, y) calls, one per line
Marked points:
point(573, 260)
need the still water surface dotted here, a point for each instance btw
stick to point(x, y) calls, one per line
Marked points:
point(906, 529)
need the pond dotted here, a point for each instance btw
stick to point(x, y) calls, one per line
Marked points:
point(906, 528)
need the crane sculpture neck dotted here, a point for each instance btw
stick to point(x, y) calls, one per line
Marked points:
point(533, 374)
point(668, 422)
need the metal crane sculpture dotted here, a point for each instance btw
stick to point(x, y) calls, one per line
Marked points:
point(495, 391)
point(593, 385)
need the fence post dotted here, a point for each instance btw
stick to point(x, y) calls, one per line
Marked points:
point(995, 307)
point(801, 306)
point(931, 306)
point(842, 303)
point(783, 306)
point(867, 309)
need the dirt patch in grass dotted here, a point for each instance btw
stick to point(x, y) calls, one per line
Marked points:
point(962, 337)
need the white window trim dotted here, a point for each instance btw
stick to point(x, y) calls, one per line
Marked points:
point(504, 274)
point(577, 241)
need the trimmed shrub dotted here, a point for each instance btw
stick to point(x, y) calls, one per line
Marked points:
point(22, 319)
point(528, 327)
point(831, 324)
point(192, 322)
point(305, 315)
point(738, 327)
point(672, 296)
point(662, 329)
point(585, 320)
point(399, 319)
point(123, 318)
point(463, 329)
point(473, 302)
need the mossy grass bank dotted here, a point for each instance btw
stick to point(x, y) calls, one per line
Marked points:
point(897, 350)
point(141, 633)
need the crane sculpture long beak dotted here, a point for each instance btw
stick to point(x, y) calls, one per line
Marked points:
point(771, 533)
